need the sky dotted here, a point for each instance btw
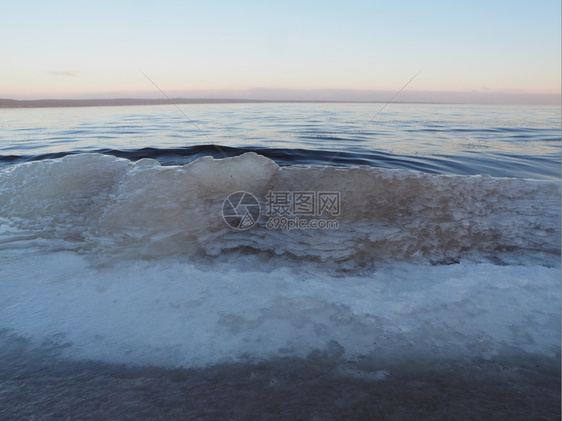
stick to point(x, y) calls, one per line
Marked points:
point(461, 50)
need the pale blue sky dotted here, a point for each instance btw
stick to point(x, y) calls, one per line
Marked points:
point(68, 49)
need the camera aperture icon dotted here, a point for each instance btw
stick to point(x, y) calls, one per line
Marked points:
point(241, 210)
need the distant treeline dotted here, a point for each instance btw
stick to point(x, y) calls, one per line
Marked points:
point(50, 103)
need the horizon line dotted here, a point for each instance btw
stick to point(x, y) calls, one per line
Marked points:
point(130, 101)
point(6, 103)
point(483, 96)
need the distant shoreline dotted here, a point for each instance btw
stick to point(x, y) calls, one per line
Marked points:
point(61, 103)
point(116, 102)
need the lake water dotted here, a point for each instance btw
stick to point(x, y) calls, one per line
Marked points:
point(280, 261)
point(509, 141)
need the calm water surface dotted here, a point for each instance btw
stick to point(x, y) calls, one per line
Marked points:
point(512, 141)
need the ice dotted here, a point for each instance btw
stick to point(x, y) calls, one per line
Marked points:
point(176, 313)
point(116, 207)
point(133, 263)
